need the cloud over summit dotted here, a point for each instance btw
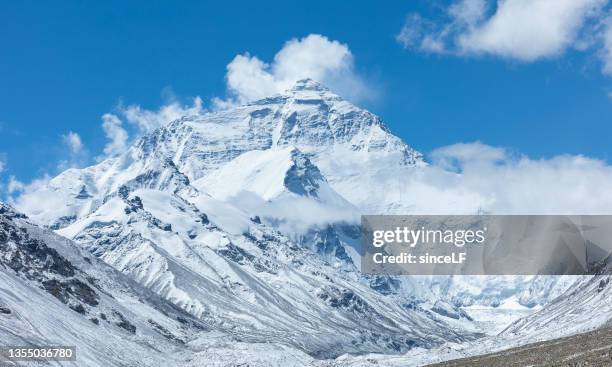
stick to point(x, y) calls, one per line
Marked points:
point(314, 56)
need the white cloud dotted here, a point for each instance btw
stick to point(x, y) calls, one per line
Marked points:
point(147, 120)
point(314, 56)
point(14, 185)
point(525, 30)
point(73, 141)
point(452, 157)
point(117, 136)
point(2, 165)
point(77, 153)
point(247, 77)
point(531, 29)
point(33, 197)
point(499, 181)
point(468, 12)
point(293, 214)
point(417, 32)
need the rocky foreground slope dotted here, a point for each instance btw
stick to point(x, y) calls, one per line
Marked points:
point(593, 348)
point(51, 293)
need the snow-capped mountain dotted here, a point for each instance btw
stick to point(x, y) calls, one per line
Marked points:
point(228, 216)
point(247, 219)
point(339, 138)
point(52, 293)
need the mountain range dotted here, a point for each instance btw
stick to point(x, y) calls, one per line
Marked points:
point(233, 236)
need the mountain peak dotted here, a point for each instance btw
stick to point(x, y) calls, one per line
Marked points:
point(308, 85)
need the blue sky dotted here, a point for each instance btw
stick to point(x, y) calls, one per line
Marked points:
point(65, 64)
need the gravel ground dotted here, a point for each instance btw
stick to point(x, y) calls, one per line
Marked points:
point(589, 349)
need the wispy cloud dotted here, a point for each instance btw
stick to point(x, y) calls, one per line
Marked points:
point(148, 120)
point(73, 141)
point(525, 30)
point(606, 51)
point(143, 121)
point(78, 155)
point(14, 185)
point(115, 133)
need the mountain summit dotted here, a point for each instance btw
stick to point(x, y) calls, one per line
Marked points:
point(308, 84)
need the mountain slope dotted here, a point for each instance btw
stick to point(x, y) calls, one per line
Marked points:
point(52, 294)
point(584, 307)
point(255, 283)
